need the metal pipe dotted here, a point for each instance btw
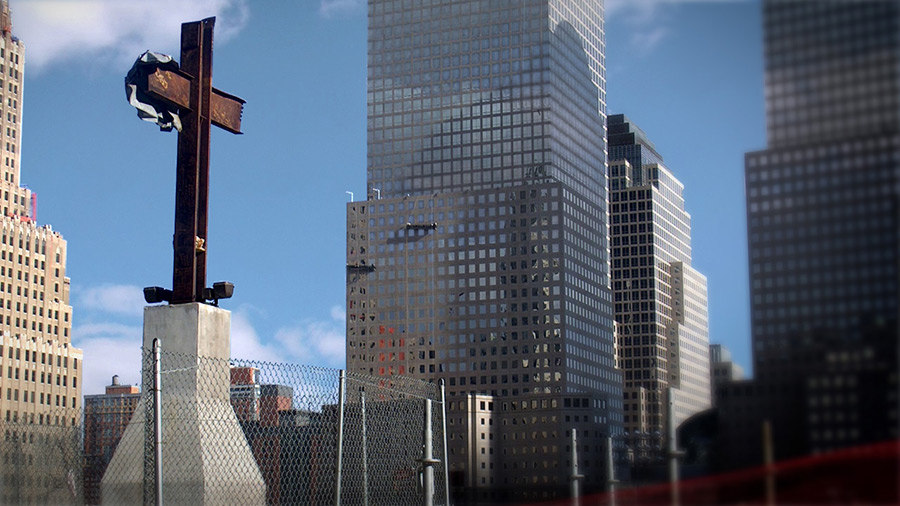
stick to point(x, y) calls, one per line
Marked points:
point(157, 421)
point(769, 460)
point(340, 447)
point(365, 460)
point(428, 458)
point(611, 471)
point(444, 428)
point(575, 476)
point(673, 448)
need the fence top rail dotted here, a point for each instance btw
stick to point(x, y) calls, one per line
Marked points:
point(302, 375)
point(429, 390)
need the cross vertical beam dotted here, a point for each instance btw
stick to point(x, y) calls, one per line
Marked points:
point(152, 85)
point(192, 179)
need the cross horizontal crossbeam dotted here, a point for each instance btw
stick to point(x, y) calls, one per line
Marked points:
point(174, 88)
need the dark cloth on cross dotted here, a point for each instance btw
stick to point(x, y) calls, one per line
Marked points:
point(149, 108)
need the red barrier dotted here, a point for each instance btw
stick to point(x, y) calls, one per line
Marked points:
point(860, 475)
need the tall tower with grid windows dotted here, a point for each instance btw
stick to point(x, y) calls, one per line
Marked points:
point(480, 255)
point(822, 222)
point(40, 370)
point(660, 300)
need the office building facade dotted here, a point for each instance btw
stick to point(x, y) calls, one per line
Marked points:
point(480, 255)
point(261, 410)
point(822, 218)
point(722, 370)
point(41, 380)
point(105, 418)
point(40, 370)
point(660, 300)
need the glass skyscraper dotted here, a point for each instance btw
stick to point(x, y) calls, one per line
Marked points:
point(660, 300)
point(480, 255)
point(822, 220)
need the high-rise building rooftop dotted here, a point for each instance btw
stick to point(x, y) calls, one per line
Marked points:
point(480, 256)
point(40, 393)
point(660, 300)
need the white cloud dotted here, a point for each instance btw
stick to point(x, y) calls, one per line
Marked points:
point(245, 342)
point(109, 349)
point(645, 19)
point(644, 41)
point(114, 31)
point(643, 9)
point(115, 348)
point(316, 342)
point(319, 342)
point(126, 300)
point(332, 8)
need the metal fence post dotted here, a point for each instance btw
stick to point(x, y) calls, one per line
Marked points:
point(574, 477)
point(157, 422)
point(610, 463)
point(673, 449)
point(769, 461)
point(365, 459)
point(340, 446)
point(444, 428)
point(428, 460)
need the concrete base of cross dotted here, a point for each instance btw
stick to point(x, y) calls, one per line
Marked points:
point(205, 457)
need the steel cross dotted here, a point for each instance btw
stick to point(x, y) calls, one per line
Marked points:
point(190, 91)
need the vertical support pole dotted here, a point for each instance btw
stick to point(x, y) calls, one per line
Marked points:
point(611, 471)
point(769, 461)
point(365, 458)
point(192, 181)
point(427, 458)
point(340, 446)
point(202, 212)
point(157, 422)
point(673, 448)
point(575, 476)
point(444, 428)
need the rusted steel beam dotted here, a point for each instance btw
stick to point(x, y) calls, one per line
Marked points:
point(226, 111)
point(170, 87)
point(174, 88)
point(187, 262)
point(202, 211)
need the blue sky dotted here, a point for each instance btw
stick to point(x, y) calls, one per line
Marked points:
point(689, 73)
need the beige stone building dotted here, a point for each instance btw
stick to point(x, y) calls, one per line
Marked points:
point(660, 301)
point(40, 370)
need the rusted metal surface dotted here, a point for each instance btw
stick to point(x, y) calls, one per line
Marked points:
point(202, 207)
point(226, 111)
point(170, 87)
point(189, 89)
point(175, 88)
point(187, 262)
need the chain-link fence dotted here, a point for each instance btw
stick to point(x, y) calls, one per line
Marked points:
point(41, 461)
point(236, 432)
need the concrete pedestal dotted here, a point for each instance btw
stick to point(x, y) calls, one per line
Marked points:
point(206, 458)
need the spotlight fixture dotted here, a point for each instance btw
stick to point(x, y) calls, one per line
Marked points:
point(157, 294)
point(219, 290)
point(223, 289)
